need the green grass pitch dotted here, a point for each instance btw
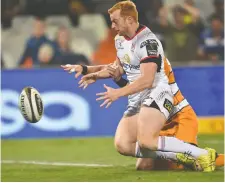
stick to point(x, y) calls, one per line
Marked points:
point(86, 151)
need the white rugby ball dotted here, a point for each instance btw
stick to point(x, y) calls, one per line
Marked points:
point(31, 105)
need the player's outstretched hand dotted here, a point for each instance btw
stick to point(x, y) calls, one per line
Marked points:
point(109, 96)
point(87, 80)
point(73, 68)
point(114, 71)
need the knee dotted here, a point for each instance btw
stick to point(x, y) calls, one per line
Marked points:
point(122, 147)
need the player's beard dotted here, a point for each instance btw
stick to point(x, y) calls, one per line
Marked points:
point(123, 32)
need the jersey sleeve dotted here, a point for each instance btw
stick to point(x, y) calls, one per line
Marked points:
point(148, 51)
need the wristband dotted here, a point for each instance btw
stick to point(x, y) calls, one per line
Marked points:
point(122, 82)
point(84, 70)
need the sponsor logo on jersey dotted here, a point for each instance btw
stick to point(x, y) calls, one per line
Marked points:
point(129, 66)
point(119, 44)
point(168, 105)
point(151, 47)
point(149, 42)
point(150, 52)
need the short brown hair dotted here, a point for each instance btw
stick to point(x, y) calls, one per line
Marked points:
point(127, 8)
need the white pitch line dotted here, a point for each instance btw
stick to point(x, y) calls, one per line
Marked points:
point(53, 163)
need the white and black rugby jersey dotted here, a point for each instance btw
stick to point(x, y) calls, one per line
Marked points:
point(142, 48)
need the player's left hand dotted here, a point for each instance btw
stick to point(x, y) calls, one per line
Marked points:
point(109, 96)
point(87, 80)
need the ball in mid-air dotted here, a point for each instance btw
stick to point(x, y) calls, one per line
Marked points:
point(31, 105)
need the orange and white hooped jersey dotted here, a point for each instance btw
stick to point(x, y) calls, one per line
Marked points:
point(179, 101)
point(142, 48)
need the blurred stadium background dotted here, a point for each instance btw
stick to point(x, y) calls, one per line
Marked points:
point(37, 36)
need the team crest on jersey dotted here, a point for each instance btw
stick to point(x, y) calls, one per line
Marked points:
point(126, 59)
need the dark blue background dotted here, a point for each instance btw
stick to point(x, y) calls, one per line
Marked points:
point(202, 86)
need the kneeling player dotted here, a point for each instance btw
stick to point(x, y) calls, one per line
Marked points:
point(183, 123)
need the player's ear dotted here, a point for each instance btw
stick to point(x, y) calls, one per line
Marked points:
point(129, 19)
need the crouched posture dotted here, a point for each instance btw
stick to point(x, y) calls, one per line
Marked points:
point(150, 96)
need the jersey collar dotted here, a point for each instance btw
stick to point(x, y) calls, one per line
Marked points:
point(139, 29)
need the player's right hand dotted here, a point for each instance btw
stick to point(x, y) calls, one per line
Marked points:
point(73, 68)
point(114, 71)
point(87, 80)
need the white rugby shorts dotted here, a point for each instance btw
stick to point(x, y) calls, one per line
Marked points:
point(160, 97)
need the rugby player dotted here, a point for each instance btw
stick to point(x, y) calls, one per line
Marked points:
point(183, 124)
point(151, 100)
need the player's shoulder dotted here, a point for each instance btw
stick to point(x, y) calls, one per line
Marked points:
point(146, 37)
point(146, 33)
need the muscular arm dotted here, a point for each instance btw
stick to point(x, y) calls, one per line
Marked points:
point(84, 69)
point(107, 71)
point(97, 68)
point(148, 71)
point(150, 60)
point(102, 74)
point(115, 74)
point(111, 70)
